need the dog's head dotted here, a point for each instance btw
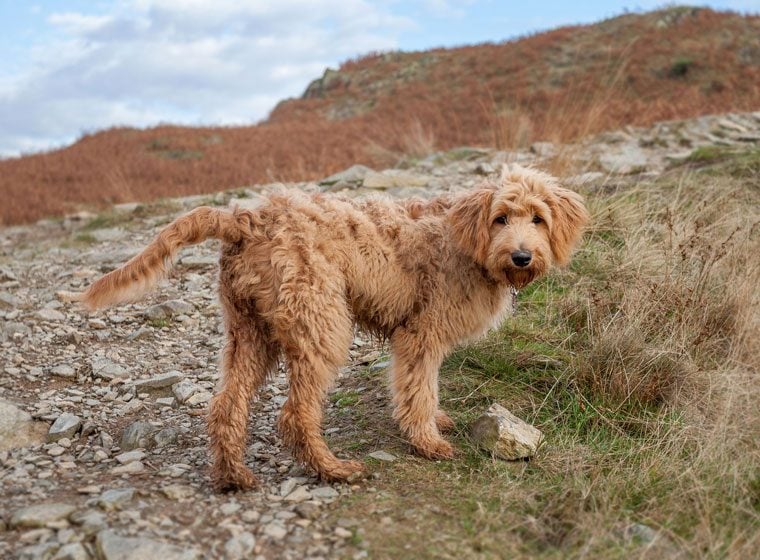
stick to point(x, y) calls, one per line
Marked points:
point(518, 228)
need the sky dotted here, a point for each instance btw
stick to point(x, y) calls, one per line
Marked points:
point(70, 67)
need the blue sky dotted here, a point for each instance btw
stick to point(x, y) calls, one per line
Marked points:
point(72, 66)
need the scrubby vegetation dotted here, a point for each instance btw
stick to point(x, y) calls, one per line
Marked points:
point(639, 363)
point(558, 86)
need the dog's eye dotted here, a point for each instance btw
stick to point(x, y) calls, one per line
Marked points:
point(501, 220)
point(537, 219)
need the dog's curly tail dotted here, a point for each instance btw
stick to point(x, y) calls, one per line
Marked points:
point(144, 270)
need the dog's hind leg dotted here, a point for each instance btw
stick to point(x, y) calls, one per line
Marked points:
point(249, 356)
point(414, 379)
point(317, 344)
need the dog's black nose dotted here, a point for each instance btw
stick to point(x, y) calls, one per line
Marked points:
point(521, 258)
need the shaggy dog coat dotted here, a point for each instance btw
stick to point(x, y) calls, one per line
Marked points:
point(299, 271)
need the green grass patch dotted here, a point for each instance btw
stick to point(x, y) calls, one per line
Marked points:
point(342, 399)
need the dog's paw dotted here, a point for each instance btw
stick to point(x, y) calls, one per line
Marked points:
point(443, 421)
point(231, 481)
point(437, 448)
point(341, 471)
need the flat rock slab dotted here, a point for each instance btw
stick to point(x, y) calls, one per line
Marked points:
point(160, 381)
point(505, 435)
point(114, 547)
point(383, 456)
point(40, 515)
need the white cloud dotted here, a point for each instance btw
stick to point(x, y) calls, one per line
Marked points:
point(183, 61)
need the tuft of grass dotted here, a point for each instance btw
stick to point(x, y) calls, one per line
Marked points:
point(680, 68)
point(344, 399)
point(709, 154)
point(85, 238)
point(106, 220)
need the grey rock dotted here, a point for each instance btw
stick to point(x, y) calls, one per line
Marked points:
point(178, 491)
point(383, 456)
point(8, 301)
point(307, 510)
point(251, 202)
point(324, 493)
point(298, 495)
point(115, 498)
point(641, 532)
point(65, 426)
point(505, 435)
point(130, 456)
point(184, 390)
point(14, 330)
point(106, 369)
point(394, 178)
point(17, 429)
point(240, 546)
point(354, 174)
point(342, 533)
point(160, 381)
point(137, 434)
point(42, 551)
point(275, 531)
point(40, 515)
point(72, 551)
point(165, 437)
point(168, 309)
point(199, 398)
point(126, 207)
point(106, 441)
point(6, 274)
point(287, 485)
point(133, 467)
point(50, 315)
point(64, 370)
point(379, 366)
point(628, 159)
point(229, 508)
point(90, 521)
point(111, 546)
point(108, 234)
point(198, 262)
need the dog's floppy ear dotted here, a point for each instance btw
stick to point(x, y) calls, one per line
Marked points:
point(470, 221)
point(569, 215)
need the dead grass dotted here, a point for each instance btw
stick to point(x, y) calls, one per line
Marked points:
point(639, 363)
point(558, 86)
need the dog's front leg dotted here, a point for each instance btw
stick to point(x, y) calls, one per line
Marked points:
point(414, 380)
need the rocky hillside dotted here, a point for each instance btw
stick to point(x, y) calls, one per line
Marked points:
point(560, 85)
point(103, 448)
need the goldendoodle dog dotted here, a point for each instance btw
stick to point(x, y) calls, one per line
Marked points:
point(299, 271)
